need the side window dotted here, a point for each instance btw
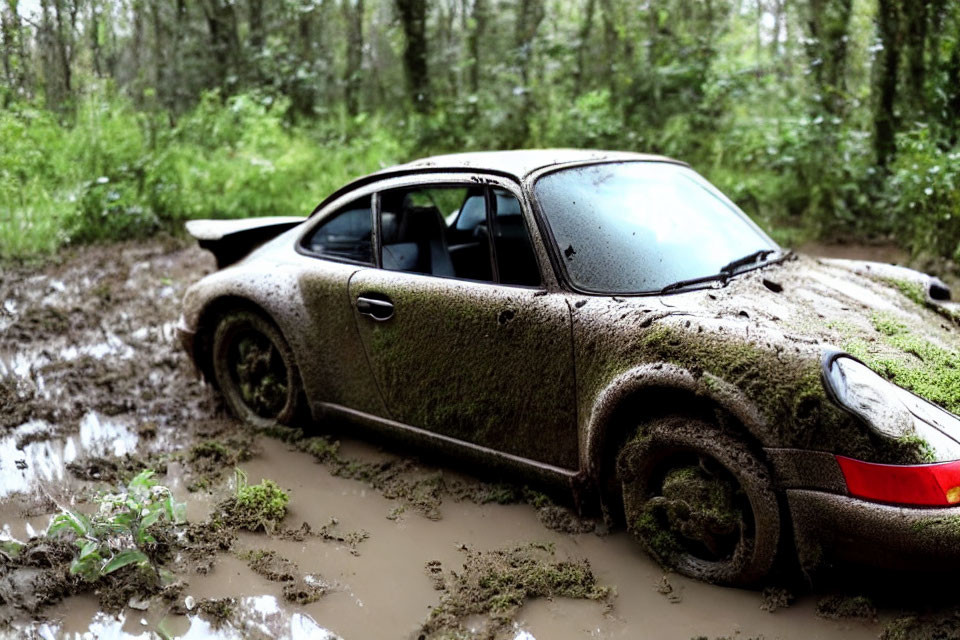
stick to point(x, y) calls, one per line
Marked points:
point(416, 235)
point(347, 233)
point(516, 261)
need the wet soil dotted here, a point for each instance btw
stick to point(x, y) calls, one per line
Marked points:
point(93, 389)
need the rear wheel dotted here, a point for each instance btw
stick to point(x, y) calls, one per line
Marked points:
point(700, 502)
point(255, 370)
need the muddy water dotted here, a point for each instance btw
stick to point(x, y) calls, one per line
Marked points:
point(90, 368)
point(380, 589)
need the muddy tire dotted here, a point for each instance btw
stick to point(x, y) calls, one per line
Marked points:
point(255, 370)
point(700, 502)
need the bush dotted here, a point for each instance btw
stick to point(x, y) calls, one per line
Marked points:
point(923, 194)
point(116, 173)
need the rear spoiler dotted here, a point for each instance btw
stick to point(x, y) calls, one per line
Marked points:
point(231, 240)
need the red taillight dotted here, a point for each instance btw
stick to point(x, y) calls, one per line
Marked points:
point(932, 485)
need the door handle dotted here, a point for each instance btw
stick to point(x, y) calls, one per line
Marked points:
point(379, 310)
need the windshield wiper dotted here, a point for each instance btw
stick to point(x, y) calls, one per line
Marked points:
point(756, 256)
point(726, 271)
point(680, 284)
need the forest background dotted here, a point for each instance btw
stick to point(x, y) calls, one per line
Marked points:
point(830, 119)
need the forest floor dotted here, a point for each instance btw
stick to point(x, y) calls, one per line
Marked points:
point(93, 386)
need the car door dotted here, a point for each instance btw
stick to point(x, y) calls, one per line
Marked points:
point(333, 366)
point(481, 361)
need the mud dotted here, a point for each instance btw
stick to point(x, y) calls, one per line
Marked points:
point(93, 389)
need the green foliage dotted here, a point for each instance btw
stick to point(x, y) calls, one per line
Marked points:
point(924, 194)
point(120, 533)
point(264, 117)
point(117, 173)
point(256, 507)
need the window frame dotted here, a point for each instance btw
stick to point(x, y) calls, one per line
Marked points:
point(459, 181)
point(329, 213)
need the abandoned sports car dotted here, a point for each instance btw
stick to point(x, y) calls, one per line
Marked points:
point(611, 324)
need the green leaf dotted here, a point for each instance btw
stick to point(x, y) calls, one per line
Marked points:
point(87, 548)
point(142, 479)
point(69, 520)
point(151, 518)
point(84, 567)
point(122, 559)
point(176, 511)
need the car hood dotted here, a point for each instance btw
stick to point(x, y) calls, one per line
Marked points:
point(896, 320)
point(755, 346)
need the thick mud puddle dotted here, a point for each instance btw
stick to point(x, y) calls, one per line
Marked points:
point(93, 389)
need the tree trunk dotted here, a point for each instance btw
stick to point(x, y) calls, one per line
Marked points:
point(413, 18)
point(224, 41)
point(888, 60)
point(530, 14)
point(480, 19)
point(255, 16)
point(7, 44)
point(915, 39)
point(93, 33)
point(583, 41)
point(353, 13)
point(159, 62)
point(64, 48)
point(828, 23)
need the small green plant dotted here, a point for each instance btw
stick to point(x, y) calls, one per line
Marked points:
point(120, 532)
point(258, 506)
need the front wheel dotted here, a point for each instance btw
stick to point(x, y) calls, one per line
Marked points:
point(700, 502)
point(255, 370)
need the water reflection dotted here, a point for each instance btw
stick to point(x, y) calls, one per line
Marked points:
point(253, 617)
point(45, 461)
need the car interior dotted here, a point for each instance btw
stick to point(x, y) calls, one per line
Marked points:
point(441, 231)
point(424, 232)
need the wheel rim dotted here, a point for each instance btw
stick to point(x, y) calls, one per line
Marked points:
point(701, 507)
point(259, 373)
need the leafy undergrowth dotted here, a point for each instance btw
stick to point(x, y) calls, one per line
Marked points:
point(121, 173)
point(122, 532)
point(119, 552)
point(423, 489)
point(495, 584)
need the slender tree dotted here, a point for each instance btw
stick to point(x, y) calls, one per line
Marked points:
point(413, 19)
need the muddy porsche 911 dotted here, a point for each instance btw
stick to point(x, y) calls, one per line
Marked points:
point(612, 324)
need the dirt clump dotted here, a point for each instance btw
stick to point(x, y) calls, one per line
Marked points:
point(776, 598)
point(218, 610)
point(843, 606)
point(208, 459)
point(297, 588)
point(116, 470)
point(667, 590)
point(495, 584)
point(202, 541)
point(271, 566)
point(944, 625)
point(34, 575)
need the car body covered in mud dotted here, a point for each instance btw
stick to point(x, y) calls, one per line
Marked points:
point(609, 323)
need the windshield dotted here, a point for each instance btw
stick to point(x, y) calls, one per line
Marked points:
point(635, 227)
